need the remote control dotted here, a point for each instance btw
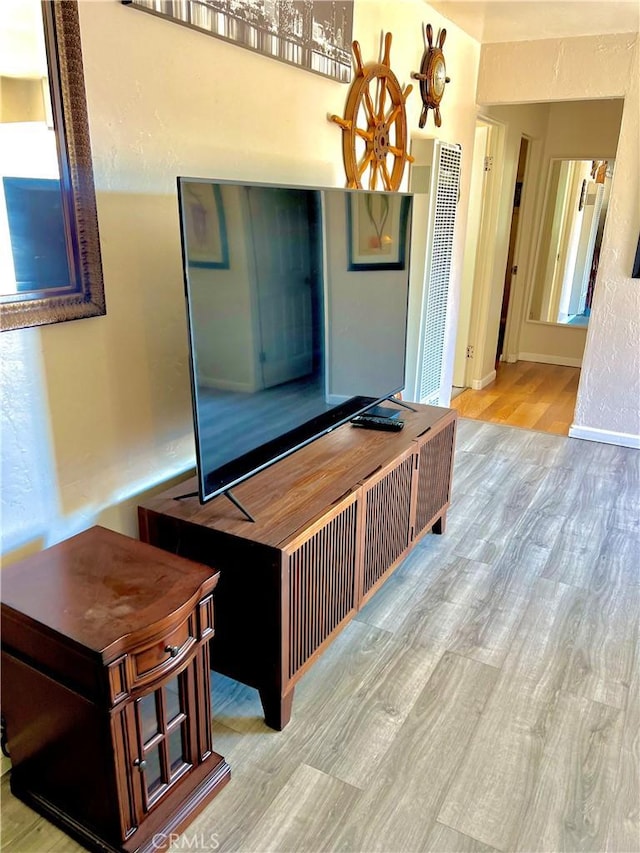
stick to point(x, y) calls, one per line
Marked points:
point(373, 422)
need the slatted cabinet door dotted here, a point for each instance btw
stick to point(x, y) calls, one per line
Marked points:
point(386, 527)
point(319, 586)
point(434, 468)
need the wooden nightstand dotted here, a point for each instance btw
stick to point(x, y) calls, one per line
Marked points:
point(105, 688)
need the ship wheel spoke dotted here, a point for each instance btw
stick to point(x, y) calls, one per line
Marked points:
point(365, 163)
point(364, 134)
point(358, 55)
point(386, 59)
point(345, 123)
point(373, 175)
point(370, 110)
point(386, 177)
point(381, 100)
point(393, 115)
point(397, 152)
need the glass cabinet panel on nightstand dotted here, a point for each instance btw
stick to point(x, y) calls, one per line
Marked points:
point(162, 719)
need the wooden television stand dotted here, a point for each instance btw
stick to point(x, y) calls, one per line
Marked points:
point(333, 520)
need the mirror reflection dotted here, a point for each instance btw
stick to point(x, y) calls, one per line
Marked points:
point(571, 232)
point(33, 252)
point(50, 263)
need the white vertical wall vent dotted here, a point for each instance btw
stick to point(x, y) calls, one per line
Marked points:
point(432, 249)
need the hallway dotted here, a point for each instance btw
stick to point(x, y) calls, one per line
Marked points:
point(525, 394)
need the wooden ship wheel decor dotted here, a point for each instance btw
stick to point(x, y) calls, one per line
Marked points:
point(432, 76)
point(374, 127)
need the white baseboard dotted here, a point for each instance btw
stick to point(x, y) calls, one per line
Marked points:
point(605, 436)
point(479, 384)
point(565, 361)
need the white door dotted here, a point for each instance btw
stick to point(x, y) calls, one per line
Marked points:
point(282, 222)
point(584, 258)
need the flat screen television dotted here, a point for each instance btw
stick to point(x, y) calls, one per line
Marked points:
point(297, 315)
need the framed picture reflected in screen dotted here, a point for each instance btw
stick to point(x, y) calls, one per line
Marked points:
point(377, 231)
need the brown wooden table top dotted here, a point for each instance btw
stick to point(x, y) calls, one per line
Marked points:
point(100, 587)
point(284, 497)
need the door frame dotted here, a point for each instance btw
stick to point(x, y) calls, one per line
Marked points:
point(470, 259)
point(482, 281)
point(519, 292)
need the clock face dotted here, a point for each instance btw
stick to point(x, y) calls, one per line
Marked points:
point(439, 75)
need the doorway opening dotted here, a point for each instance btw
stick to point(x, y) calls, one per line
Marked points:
point(513, 261)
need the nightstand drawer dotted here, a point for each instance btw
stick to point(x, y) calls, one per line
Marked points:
point(157, 658)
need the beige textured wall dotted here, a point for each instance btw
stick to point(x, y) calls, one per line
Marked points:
point(95, 412)
point(21, 99)
point(584, 129)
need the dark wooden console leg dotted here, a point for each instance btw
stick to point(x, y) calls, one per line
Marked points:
point(277, 708)
point(441, 524)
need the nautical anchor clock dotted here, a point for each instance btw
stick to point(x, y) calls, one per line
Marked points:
point(432, 76)
point(374, 138)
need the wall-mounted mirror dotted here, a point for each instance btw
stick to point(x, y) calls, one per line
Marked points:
point(50, 265)
point(571, 231)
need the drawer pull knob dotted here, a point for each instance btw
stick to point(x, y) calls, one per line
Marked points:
point(173, 650)
point(140, 763)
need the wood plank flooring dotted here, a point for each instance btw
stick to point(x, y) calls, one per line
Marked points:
point(486, 699)
point(525, 394)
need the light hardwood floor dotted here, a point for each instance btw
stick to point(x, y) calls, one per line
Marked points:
point(487, 698)
point(525, 394)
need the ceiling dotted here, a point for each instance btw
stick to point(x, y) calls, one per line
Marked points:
point(529, 20)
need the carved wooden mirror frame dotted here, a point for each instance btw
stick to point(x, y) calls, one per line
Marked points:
point(84, 297)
